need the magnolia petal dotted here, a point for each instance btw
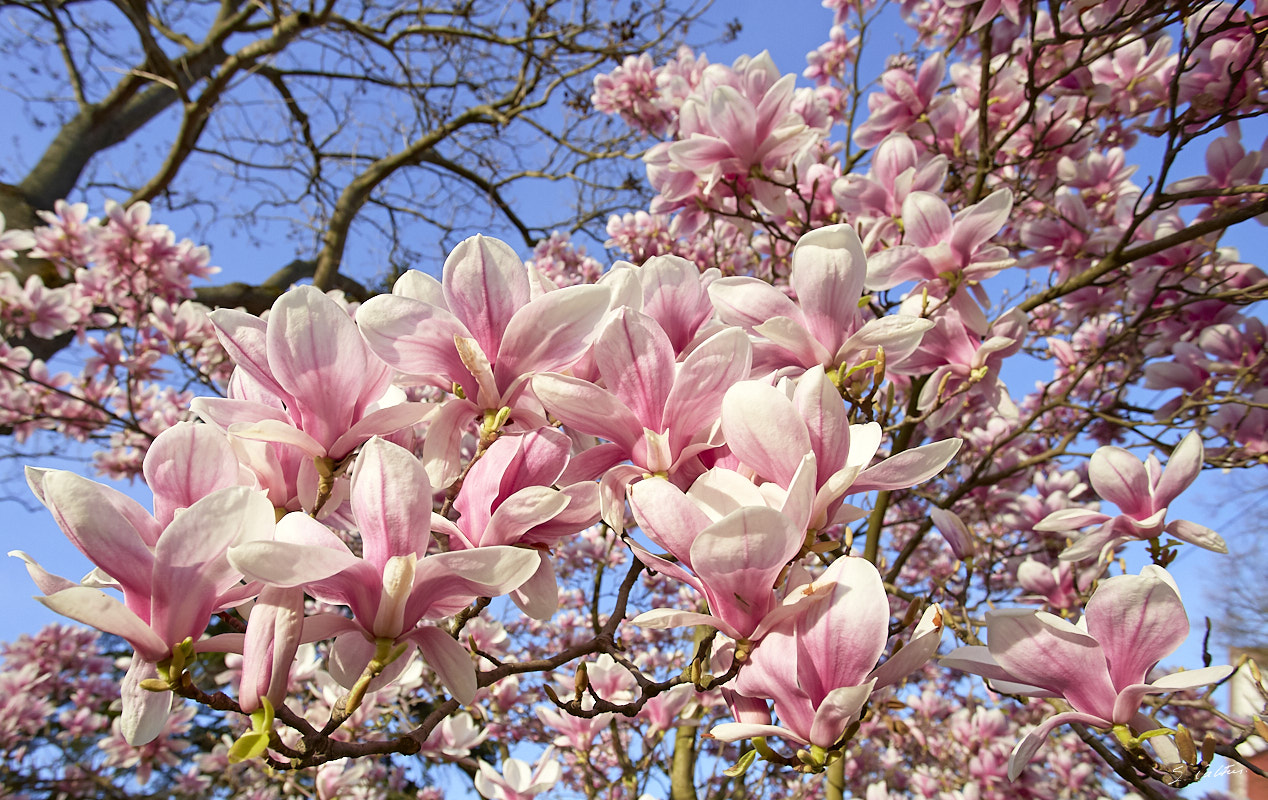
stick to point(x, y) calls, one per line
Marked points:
point(1068, 519)
point(582, 405)
point(351, 654)
point(552, 332)
point(833, 715)
point(538, 597)
point(665, 618)
point(285, 564)
point(790, 335)
point(1027, 747)
point(1182, 469)
point(841, 637)
point(667, 516)
point(187, 462)
point(391, 499)
point(704, 377)
point(446, 582)
point(908, 468)
point(748, 302)
point(763, 428)
point(485, 283)
point(1139, 620)
point(380, 423)
point(414, 338)
point(450, 661)
point(47, 582)
point(828, 269)
point(99, 610)
point(1120, 477)
point(1194, 533)
point(922, 647)
point(273, 632)
point(1043, 650)
point(519, 513)
point(734, 731)
point(975, 660)
point(144, 712)
point(95, 522)
point(272, 430)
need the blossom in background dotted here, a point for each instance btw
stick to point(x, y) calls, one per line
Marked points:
point(1142, 492)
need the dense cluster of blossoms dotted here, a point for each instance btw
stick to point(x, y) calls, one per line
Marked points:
point(748, 430)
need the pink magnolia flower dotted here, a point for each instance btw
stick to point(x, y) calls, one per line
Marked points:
point(480, 332)
point(1100, 666)
point(657, 413)
point(819, 667)
point(1142, 492)
point(173, 577)
point(737, 562)
point(824, 326)
point(507, 499)
point(517, 781)
point(939, 245)
point(290, 364)
point(394, 584)
point(770, 433)
point(905, 99)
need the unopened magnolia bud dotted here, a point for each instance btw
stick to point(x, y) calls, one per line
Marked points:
point(1184, 743)
point(580, 682)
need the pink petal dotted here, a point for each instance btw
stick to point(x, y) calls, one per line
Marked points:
point(273, 633)
point(391, 499)
point(908, 468)
point(538, 597)
point(1119, 477)
point(833, 714)
point(485, 283)
point(382, 422)
point(582, 405)
point(636, 360)
point(735, 731)
point(926, 219)
point(1182, 469)
point(190, 565)
point(748, 302)
point(1194, 533)
point(446, 582)
point(185, 463)
point(828, 268)
point(1027, 747)
point(1045, 651)
point(414, 338)
point(551, 333)
point(975, 225)
point(87, 513)
point(765, 430)
point(99, 610)
point(667, 516)
point(244, 336)
point(313, 345)
point(703, 378)
point(738, 559)
point(1138, 620)
point(521, 512)
point(449, 660)
point(144, 712)
point(841, 635)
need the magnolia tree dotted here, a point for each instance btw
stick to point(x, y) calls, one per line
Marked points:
point(767, 509)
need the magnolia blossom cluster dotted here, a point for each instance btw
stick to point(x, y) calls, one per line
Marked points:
point(713, 404)
point(692, 502)
point(123, 287)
